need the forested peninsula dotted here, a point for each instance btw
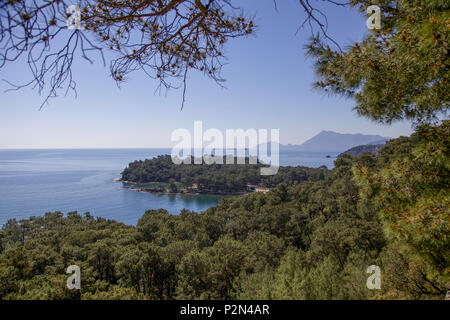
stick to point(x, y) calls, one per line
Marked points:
point(160, 174)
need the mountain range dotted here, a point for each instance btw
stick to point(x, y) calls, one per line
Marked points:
point(331, 141)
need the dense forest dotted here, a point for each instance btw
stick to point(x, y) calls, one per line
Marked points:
point(311, 240)
point(215, 178)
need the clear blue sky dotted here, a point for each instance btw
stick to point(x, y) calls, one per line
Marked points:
point(268, 86)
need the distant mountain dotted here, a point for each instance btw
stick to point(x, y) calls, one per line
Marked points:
point(359, 150)
point(330, 141)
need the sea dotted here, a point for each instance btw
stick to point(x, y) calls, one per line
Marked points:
point(36, 181)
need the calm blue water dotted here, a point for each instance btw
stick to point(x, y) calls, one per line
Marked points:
point(33, 182)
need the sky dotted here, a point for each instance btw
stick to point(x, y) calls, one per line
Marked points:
point(269, 86)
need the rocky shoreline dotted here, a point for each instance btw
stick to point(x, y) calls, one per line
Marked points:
point(163, 190)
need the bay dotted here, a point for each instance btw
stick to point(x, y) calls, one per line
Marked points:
point(35, 181)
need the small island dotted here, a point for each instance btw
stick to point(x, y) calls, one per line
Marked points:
point(161, 175)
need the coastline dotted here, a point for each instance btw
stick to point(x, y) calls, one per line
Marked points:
point(135, 187)
point(193, 193)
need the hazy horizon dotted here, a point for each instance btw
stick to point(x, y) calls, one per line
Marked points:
point(158, 147)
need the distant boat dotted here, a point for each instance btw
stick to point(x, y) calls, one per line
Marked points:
point(328, 156)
